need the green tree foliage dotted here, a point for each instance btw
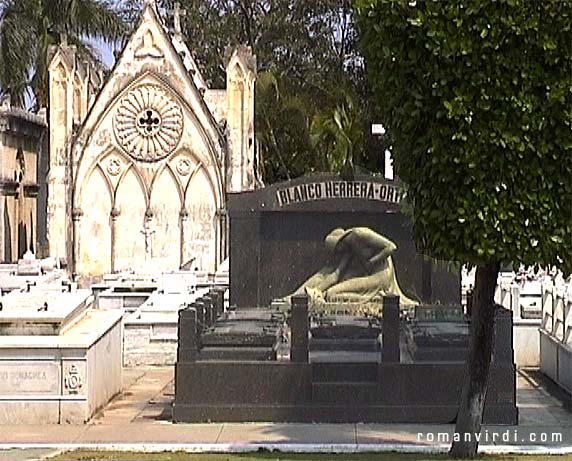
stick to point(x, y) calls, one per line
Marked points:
point(300, 131)
point(308, 49)
point(282, 120)
point(29, 27)
point(310, 41)
point(337, 133)
point(477, 99)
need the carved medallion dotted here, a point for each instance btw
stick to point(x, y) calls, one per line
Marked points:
point(148, 123)
point(183, 166)
point(73, 381)
point(114, 167)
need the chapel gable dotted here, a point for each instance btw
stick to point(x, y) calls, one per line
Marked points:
point(160, 146)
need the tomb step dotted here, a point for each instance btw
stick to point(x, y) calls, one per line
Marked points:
point(327, 344)
point(343, 372)
point(345, 393)
point(238, 353)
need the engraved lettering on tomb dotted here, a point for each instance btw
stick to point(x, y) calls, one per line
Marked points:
point(148, 123)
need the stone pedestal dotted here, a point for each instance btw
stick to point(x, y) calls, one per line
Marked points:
point(150, 332)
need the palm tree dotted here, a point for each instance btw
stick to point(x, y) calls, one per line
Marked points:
point(282, 128)
point(337, 133)
point(29, 27)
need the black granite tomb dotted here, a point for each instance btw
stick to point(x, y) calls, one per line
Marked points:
point(211, 387)
point(347, 366)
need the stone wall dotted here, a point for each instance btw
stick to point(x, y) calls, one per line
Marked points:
point(21, 148)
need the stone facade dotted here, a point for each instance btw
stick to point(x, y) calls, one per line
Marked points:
point(21, 141)
point(141, 161)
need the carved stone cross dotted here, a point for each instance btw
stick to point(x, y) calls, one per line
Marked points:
point(177, 14)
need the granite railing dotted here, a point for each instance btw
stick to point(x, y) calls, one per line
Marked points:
point(556, 335)
point(525, 301)
point(557, 312)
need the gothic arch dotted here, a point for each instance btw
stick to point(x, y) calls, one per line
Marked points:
point(200, 165)
point(131, 167)
point(128, 221)
point(97, 163)
point(164, 219)
point(93, 255)
point(176, 181)
point(85, 138)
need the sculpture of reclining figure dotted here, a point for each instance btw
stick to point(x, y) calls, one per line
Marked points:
point(360, 268)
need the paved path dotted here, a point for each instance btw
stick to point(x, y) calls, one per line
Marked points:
point(140, 418)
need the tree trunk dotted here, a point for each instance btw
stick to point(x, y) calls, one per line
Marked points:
point(476, 378)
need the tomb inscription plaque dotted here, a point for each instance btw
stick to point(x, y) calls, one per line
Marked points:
point(33, 377)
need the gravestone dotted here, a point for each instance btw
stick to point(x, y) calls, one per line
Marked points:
point(332, 256)
point(224, 374)
point(29, 265)
point(61, 359)
point(150, 332)
point(245, 334)
point(279, 235)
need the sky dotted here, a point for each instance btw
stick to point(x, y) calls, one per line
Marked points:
point(106, 51)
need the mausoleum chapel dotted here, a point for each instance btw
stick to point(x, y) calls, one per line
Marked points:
point(141, 160)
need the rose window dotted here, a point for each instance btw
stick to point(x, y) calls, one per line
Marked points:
point(148, 123)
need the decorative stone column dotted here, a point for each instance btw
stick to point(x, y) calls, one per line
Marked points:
point(183, 220)
point(223, 231)
point(77, 213)
point(113, 223)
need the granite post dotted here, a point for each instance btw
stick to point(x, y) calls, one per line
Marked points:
point(503, 343)
point(200, 308)
point(299, 351)
point(188, 349)
point(212, 308)
point(208, 310)
point(390, 329)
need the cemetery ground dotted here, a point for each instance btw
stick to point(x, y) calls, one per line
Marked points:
point(137, 426)
point(268, 456)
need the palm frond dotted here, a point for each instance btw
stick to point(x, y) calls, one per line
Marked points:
point(94, 18)
point(17, 50)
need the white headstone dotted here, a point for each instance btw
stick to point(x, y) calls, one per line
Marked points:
point(29, 265)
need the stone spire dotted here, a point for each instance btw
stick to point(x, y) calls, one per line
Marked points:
point(150, 3)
